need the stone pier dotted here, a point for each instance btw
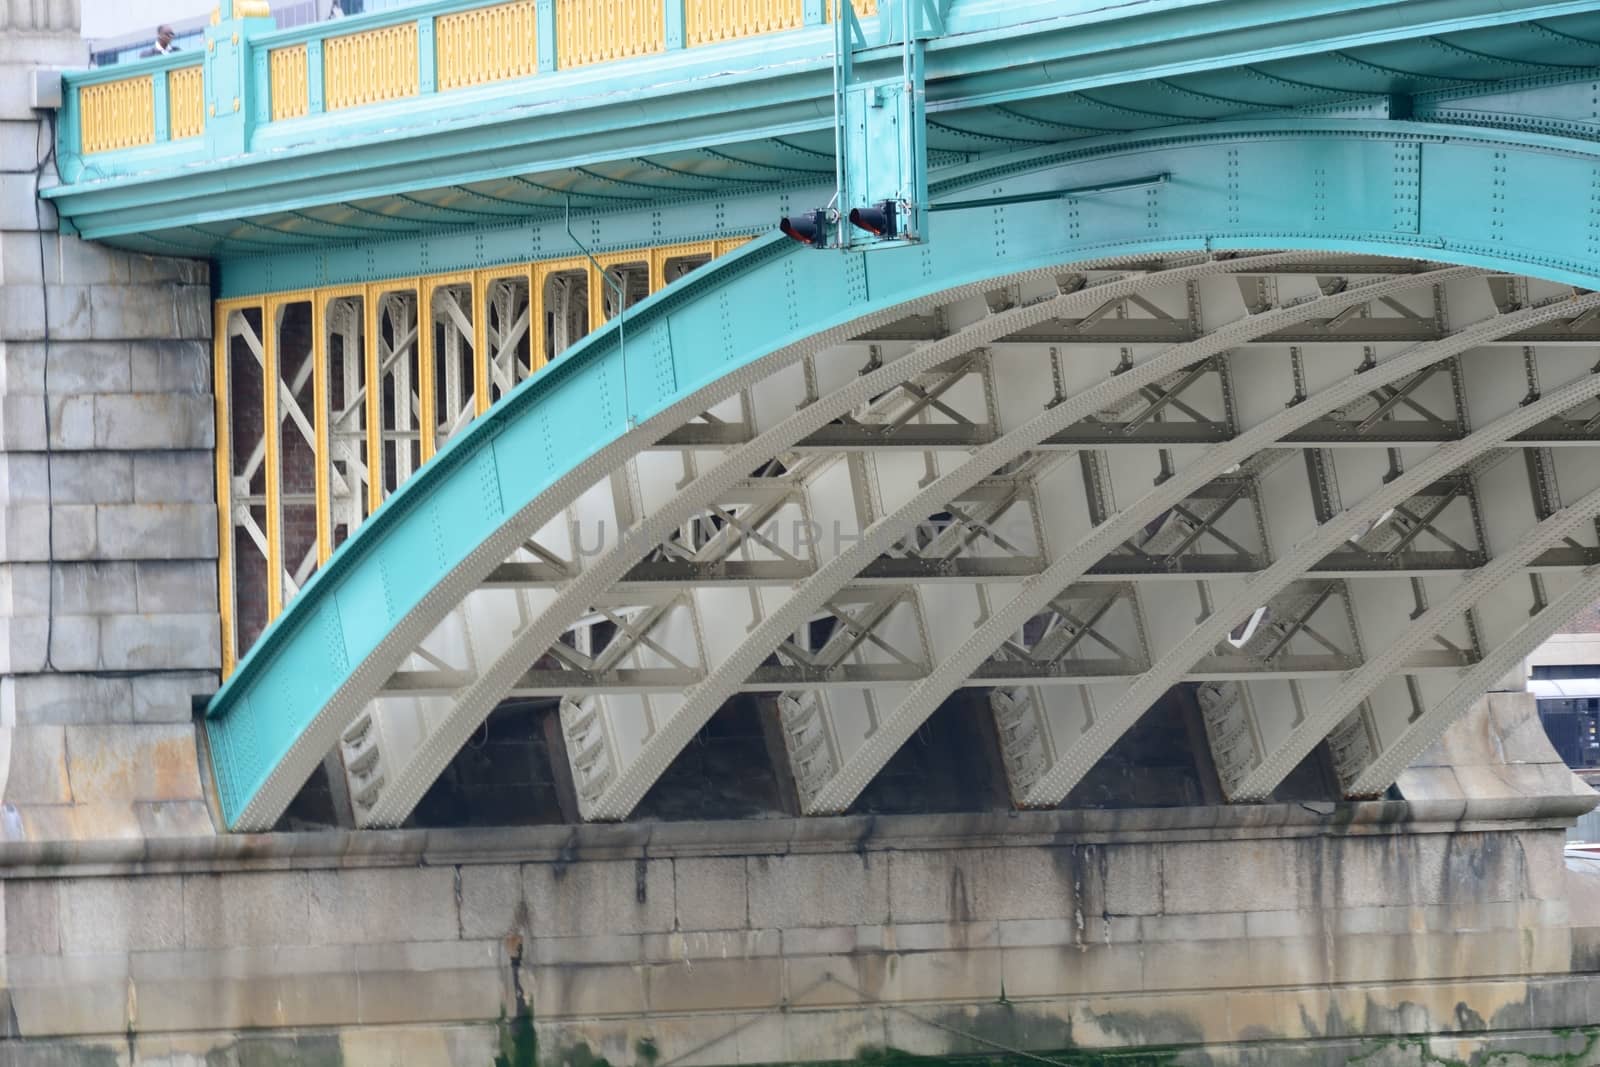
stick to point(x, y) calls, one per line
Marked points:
point(108, 529)
point(1427, 931)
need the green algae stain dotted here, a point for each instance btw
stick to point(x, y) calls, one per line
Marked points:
point(1380, 1051)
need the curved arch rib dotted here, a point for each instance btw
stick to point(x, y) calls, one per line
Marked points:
point(1082, 753)
point(951, 673)
point(1357, 685)
point(262, 807)
point(1387, 766)
point(472, 704)
point(703, 700)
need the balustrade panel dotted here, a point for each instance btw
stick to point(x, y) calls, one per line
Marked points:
point(186, 105)
point(599, 31)
point(288, 83)
point(117, 114)
point(370, 67)
point(487, 44)
point(710, 21)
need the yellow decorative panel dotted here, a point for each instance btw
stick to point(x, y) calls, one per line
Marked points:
point(119, 114)
point(486, 44)
point(864, 8)
point(595, 31)
point(186, 103)
point(709, 21)
point(290, 89)
point(366, 68)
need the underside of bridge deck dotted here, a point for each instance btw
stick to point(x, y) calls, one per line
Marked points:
point(1329, 496)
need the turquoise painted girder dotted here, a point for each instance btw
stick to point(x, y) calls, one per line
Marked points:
point(1556, 104)
point(1451, 194)
point(711, 121)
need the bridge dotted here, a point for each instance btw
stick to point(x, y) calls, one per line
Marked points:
point(1205, 369)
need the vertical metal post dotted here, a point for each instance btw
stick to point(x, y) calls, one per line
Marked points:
point(269, 427)
point(427, 402)
point(427, 56)
point(482, 358)
point(374, 402)
point(545, 29)
point(314, 76)
point(319, 423)
point(221, 355)
point(160, 105)
point(676, 17)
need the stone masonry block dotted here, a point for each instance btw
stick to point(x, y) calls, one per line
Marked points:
point(1208, 876)
point(160, 642)
point(38, 767)
point(180, 587)
point(21, 364)
point(173, 477)
point(711, 893)
point(156, 531)
point(248, 910)
point(83, 367)
point(94, 588)
point(24, 589)
point(491, 900)
point(121, 914)
point(153, 421)
point(617, 897)
point(73, 531)
point(383, 904)
point(89, 477)
point(166, 697)
point(65, 699)
point(22, 422)
point(127, 763)
point(1000, 883)
point(818, 890)
point(19, 208)
point(32, 920)
point(170, 367)
point(24, 532)
point(71, 422)
point(24, 478)
point(22, 644)
point(74, 642)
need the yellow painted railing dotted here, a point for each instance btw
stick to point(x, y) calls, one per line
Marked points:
point(864, 8)
point(710, 21)
point(597, 31)
point(370, 67)
point(119, 114)
point(186, 104)
point(488, 44)
point(286, 68)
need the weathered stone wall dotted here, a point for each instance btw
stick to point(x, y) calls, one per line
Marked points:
point(1303, 936)
point(107, 516)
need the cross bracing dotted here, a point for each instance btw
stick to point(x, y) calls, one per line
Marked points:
point(1296, 525)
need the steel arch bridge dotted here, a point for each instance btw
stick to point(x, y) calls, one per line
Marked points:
point(1326, 456)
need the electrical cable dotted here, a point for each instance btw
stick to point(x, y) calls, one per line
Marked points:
point(46, 125)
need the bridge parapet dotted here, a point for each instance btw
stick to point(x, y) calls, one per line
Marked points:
point(168, 111)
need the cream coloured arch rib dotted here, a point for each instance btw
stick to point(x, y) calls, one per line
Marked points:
point(1357, 685)
point(1081, 754)
point(472, 704)
point(703, 699)
point(953, 670)
point(1431, 725)
point(359, 688)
